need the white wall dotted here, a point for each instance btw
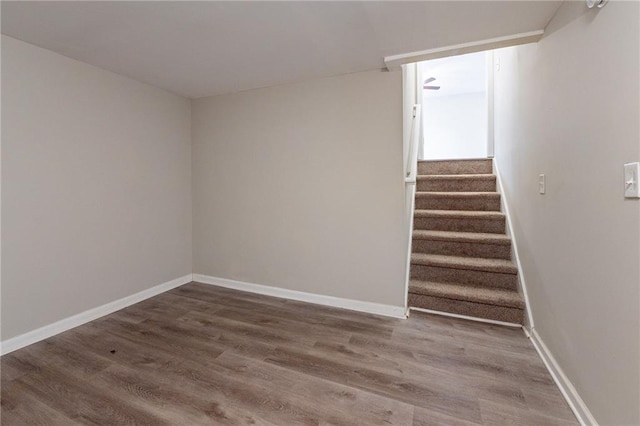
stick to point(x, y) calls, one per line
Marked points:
point(569, 107)
point(455, 126)
point(301, 186)
point(96, 189)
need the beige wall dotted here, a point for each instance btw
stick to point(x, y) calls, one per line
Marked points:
point(569, 108)
point(301, 186)
point(96, 189)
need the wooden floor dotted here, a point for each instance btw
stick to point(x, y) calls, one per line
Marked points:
point(205, 355)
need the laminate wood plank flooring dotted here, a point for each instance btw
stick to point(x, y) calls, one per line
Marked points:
point(200, 355)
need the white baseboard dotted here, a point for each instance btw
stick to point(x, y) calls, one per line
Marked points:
point(569, 392)
point(465, 317)
point(47, 331)
point(318, 299)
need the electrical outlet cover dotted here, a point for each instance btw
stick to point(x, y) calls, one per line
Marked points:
point(542, 184)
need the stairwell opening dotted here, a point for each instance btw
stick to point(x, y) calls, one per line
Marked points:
point(460, 260)
point(454, 94)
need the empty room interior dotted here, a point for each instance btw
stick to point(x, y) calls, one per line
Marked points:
point(312, 213)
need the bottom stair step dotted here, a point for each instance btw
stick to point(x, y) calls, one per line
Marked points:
point(489, 303)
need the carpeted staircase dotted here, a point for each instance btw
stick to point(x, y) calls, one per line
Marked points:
point(461, 256)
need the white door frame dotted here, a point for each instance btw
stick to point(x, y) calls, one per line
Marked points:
point(409, 99)
point(490, 103)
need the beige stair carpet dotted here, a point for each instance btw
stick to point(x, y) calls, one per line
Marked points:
point(461, 256)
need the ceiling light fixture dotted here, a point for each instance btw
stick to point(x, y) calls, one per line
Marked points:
point(425, 85)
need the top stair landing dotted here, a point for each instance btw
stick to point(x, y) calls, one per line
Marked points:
point(455, 167)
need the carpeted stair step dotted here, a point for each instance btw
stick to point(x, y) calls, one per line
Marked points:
point(488, 296)
point(471, 277)
point(479, 272)
point(457, 183)
point(494, 304)
point(501, 266)
point(460, 221)
point(468, 244)
point(455, 167)
point(476, 201)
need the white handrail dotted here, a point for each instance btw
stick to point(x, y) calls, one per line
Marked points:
point(412, 155)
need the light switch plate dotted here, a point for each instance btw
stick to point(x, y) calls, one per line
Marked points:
point(631, 174)
point(542, 184)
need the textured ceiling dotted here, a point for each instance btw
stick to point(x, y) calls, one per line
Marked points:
point(206, 48)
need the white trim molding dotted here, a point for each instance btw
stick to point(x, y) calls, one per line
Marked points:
point(318, 299)
point(569, 392)
point(394, 62)
point(65, 324)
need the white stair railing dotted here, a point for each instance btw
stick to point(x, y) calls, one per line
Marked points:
point(410, 189)
point(412, 155)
